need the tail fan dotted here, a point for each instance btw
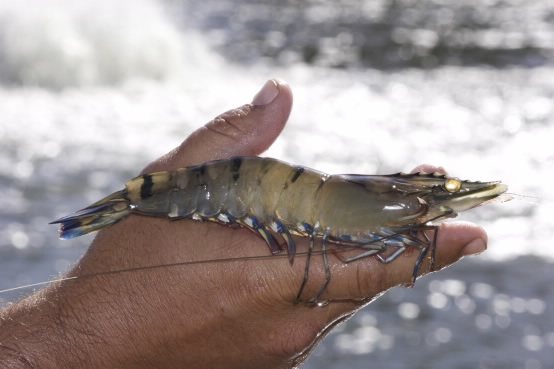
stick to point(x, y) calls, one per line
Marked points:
point(94, 217)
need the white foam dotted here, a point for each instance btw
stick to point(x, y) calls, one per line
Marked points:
point(60, 43)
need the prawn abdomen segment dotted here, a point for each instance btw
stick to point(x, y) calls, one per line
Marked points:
point(296, 204)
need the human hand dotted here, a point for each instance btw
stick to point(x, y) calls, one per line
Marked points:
point(235, 314)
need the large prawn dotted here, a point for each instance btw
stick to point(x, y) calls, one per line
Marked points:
point(380, 215)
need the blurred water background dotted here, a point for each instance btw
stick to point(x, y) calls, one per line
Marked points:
point(90, 92)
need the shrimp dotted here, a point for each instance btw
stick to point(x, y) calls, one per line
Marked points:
point(371, 213)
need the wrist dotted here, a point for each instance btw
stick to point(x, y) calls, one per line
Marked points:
point(30, 334)
point(46, 331)
point(12, 358)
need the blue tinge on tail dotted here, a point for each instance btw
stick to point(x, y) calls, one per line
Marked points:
point(94, 217)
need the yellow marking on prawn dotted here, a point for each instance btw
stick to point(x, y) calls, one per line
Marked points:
point(372, 213)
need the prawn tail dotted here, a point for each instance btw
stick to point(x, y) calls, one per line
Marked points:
point(97, 216)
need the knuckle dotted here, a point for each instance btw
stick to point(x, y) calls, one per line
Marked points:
point(229, 123)
point(370, 279)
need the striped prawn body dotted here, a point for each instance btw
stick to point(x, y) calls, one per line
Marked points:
point(370, 212)
point(262, 192)
point(249, 191)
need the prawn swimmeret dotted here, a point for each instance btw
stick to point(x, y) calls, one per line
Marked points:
point(379, 215)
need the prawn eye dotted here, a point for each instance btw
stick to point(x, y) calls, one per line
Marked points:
point(452, 185)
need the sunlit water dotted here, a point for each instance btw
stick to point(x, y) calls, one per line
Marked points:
point(89, 98)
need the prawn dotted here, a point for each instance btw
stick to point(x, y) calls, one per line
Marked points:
point(379, 215)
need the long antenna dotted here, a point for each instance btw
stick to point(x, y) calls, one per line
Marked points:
point(147, 267)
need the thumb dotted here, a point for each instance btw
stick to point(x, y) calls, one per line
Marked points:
point(245, 131)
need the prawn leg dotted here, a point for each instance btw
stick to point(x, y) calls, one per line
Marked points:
point(283, 231)
point(313, 232)
point(425, 245)
point(429, 244)
point(405, 241)
point(254, 224)
point(327, 270)
point(375, 247)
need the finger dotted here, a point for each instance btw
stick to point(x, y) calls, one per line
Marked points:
point(428, 168)
point(246, 131)
point(458, 239)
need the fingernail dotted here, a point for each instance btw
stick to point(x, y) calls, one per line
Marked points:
point(267, 94)
point(475, 247)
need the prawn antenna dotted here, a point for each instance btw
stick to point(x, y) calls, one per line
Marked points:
point(148, 267)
